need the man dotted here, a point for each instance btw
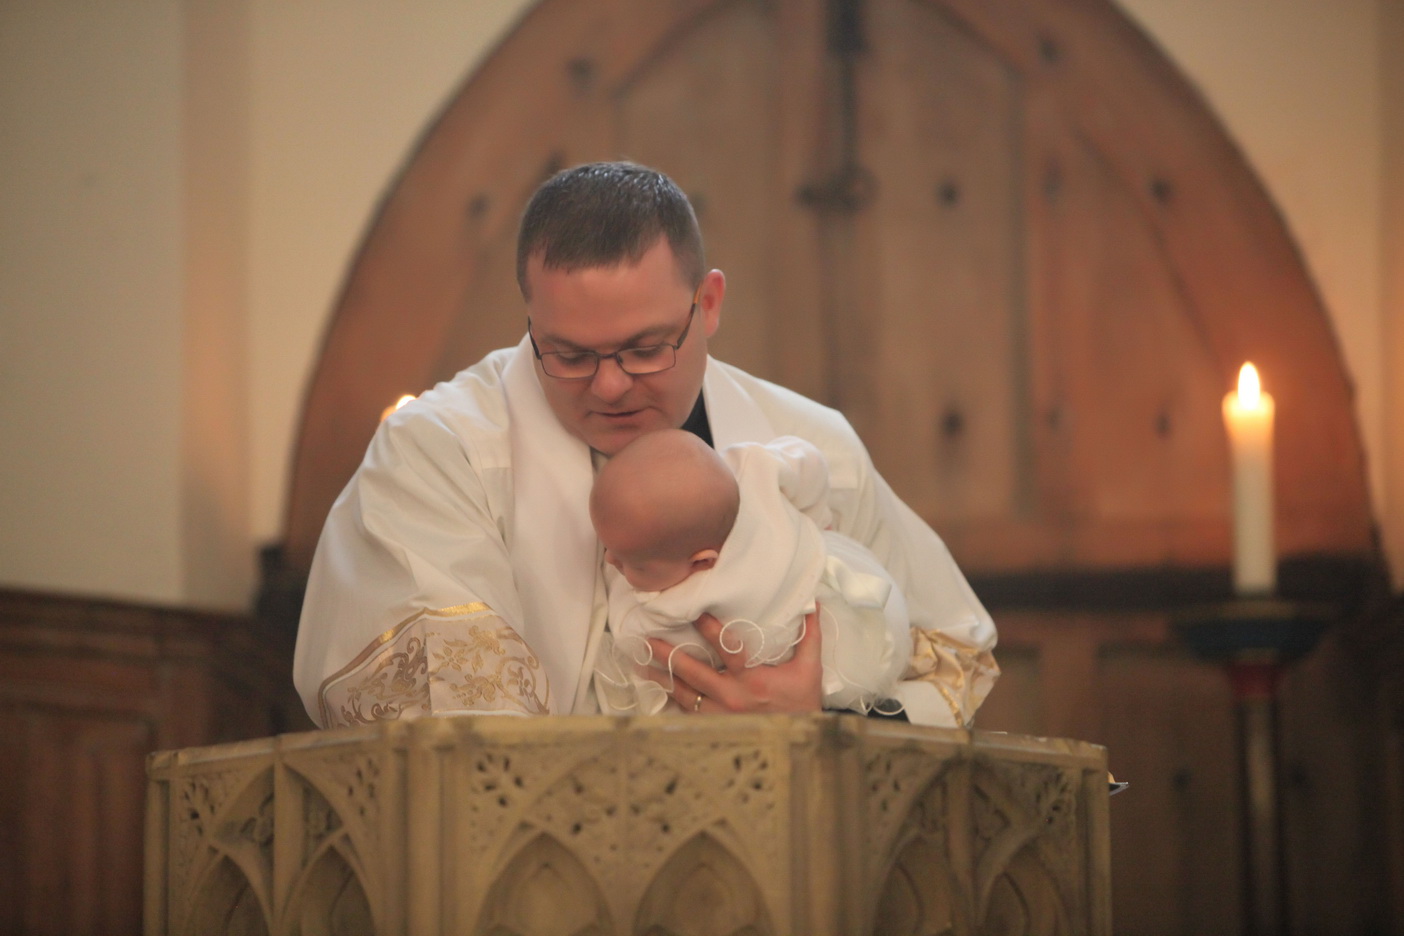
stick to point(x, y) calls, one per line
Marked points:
point(459, 570)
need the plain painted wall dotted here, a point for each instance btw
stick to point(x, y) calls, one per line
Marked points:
point(182, 185)
point(91, 274)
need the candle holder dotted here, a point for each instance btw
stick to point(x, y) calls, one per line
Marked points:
point(1256, 639)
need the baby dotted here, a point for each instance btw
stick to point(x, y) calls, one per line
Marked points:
point(742, 535)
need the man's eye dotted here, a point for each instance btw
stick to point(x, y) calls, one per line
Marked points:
point(573, 358)
point(650, 353)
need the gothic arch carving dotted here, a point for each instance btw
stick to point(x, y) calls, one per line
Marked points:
point(330, 900)
point(1025, 900)
point(703, 890)
point(227, 903)
point(920, 894)
point(545, 890)
point(1017, 828)
point(224, 858)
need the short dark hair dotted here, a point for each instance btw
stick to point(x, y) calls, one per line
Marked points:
point(608, 213)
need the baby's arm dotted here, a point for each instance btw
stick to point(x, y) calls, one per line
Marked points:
point(802, 474)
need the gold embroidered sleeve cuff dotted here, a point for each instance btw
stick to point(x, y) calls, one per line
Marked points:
point(962, 675)
point(451, 661)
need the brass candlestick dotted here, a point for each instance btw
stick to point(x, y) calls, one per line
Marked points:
point(1256, 639)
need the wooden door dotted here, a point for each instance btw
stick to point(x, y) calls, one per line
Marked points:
point(1004, 238)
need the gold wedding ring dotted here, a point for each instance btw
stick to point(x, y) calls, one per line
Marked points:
point(697, 706)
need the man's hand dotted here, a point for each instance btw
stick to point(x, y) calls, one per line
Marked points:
point(792, 686)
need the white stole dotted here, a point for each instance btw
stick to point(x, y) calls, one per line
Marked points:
point(553, 544)
point(555, 554)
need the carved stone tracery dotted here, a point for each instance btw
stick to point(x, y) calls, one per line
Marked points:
point(894, 779)
point(663, 826)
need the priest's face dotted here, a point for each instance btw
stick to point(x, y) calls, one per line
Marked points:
point(610, 309)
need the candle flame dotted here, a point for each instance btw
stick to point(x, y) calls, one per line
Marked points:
point(1249, 388)
point(397, 404)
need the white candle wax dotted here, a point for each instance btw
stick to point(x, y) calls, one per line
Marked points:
point(1248, 415)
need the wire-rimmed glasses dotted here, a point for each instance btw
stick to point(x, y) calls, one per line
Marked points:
point(636, 362)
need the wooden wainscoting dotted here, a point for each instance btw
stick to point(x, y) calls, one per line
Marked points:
point(1096, 657)
point(87, 690)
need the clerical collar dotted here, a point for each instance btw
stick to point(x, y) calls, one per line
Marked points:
point(697, 423)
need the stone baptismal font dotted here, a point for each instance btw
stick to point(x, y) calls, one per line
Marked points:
point(654, 826)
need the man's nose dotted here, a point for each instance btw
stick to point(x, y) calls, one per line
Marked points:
point(610, 381)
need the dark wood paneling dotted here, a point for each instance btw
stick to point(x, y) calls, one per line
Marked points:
point(87, 690)
point(1097, 658)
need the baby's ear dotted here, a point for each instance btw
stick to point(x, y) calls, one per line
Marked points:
point(703, 559)
point(612, 559)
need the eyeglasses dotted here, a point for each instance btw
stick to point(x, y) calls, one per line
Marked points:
point(636, 362)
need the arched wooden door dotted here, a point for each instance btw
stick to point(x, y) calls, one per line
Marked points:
point(1002, 235)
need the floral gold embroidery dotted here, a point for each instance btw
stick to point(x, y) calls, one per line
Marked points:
point(389, 688)
point(496, 663)
point(450, 660)
point(460, 653)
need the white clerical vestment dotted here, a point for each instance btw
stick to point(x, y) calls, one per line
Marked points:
point(459, 572)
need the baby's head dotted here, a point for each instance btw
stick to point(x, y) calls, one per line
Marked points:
point(662, 507)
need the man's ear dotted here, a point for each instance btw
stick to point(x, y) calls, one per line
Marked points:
point(703, 559)
point(709, 300)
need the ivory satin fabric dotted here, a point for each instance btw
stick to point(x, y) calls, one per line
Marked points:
point(474, 497)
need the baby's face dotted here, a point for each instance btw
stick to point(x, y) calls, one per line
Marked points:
point(648, 573)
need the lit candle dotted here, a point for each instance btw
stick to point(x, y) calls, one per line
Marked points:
point(1248, 415)
point(385, 413)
